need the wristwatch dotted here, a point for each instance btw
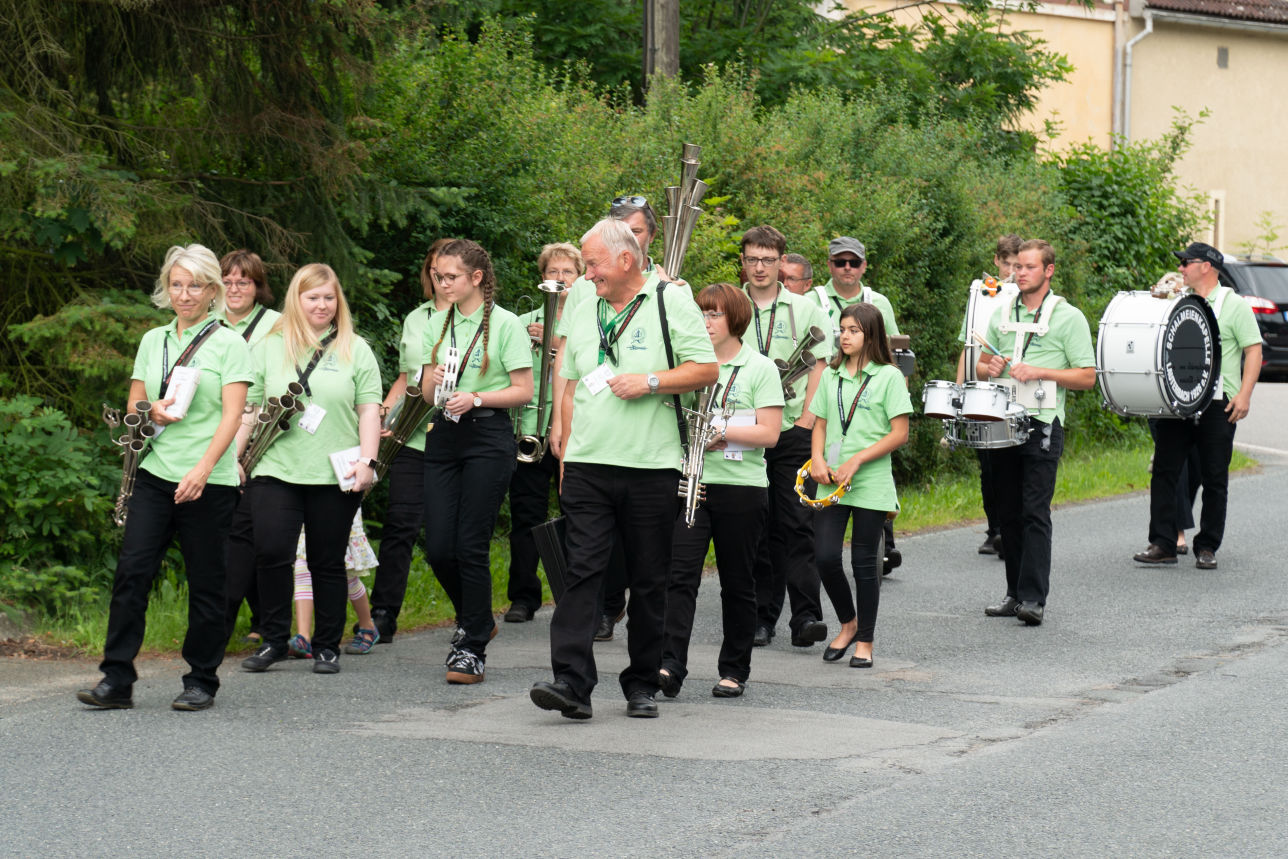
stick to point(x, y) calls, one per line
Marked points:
point(478, 401)
point(369, 461)
point(653, 382)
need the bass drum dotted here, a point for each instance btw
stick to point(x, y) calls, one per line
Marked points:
point(1158, 357)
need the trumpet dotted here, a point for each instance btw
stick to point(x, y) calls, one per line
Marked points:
point(271, 422)
point(536, 444)
point(682, 210)
point(800, 362)
point(702, 431)
point(139, 431)
point(409, 414)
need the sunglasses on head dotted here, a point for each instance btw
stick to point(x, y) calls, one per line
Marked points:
point(631, 200)
point(847, 263)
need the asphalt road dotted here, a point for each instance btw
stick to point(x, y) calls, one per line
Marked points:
point(1146, 718)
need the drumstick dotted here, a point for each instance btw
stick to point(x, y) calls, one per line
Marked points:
point(990, 347)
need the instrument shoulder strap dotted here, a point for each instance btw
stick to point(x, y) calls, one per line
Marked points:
point(670, 363)
point(250, 329)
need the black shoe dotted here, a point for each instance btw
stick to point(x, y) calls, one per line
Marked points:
point(764, 635)
point(1205, 559)
point(558, 696)
point(722, 691)
point(1155, 554)
point(264, 657)
point(860, 661)
point(832, 654)
point(105, 696)
point(519, 613)
point(606, 625)
point(640, 705)
point(810, 633)
point(989, 546)
point(326, 661)
point(465, 667)
point(668, 682)
point(1006, 608)
point(1030, 613)
point(893, 558)
point(386, 624)
point(193, 698)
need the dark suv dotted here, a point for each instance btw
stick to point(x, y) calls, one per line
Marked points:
point(1263, 283)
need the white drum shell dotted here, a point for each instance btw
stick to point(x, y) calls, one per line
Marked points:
point(984, 401)
point(979, 310)
point(941, 399)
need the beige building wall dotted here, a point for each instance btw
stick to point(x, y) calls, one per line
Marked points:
point(1239, 154)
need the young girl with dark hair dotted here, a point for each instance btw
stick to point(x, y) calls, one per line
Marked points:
point(862, 406)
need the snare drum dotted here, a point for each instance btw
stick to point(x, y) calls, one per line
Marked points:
point(1157, 356)
point(942, 399)
point(984, 401)
point(1010, 432)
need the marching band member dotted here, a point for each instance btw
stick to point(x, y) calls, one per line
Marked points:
point(247, 311)
point(1025, 475)
point(470, 453)
point(294, 484)
point(847, 260)
point(186, 483)
point(405, 514)
point(621, 461)
point(737, 498)
point(530, 485)
point(784, 560)
point(862, 408)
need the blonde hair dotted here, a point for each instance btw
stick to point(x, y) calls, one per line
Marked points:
point(199, 261)
point(560, 249)
point(300, 340)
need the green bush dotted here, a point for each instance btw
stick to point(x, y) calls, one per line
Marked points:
point(56, 509)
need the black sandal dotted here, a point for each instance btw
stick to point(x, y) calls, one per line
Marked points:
point(722, 691)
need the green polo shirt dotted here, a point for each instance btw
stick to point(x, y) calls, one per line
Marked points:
point(755, 387)
point(793, 315)
point(1066, 345)
point(639, 433)
point(411, 355)
point(1238, 328)
point(582, 290)
point(223, 360)
point(884, 398)
point(261, 329)
point(337, 386)
point(836, 303)
point(507, 346)
point(528, 418)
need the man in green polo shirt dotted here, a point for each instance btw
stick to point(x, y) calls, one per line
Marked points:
point(1062, 358)
point(621, 462)
point(1213, 433)
point(847, 260)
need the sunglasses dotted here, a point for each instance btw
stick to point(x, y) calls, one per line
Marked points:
point(846, 263)
point(1186, 262)
point(632, 200)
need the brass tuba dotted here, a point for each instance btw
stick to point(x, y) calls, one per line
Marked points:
point(682, 210)
point(139, 431)
point(536, 444)
point(800, 362)
point(273, 420)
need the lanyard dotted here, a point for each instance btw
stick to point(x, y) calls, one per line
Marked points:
point(724, 403)
point(610, 334)
point(185, 356)
point(478, 332)
point(847, 419)
point(1037, 317)
point(304, 374)
point(250, 329)
point(760, 340)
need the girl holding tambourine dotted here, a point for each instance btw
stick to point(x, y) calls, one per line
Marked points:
point(862, 406)
point(470, 452)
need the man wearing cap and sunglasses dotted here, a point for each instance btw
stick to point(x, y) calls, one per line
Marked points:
point(1213, 433)
point(847, 260)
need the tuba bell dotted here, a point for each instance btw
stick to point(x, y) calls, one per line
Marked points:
point(682, 210)
point(139, 431)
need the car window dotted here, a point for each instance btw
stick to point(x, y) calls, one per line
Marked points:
point(1267, 281)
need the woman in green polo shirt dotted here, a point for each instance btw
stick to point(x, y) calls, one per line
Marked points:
point(733, 514)
point(186, 483)
point(294, 483)
point(247, 311)
point(470, 451)
point(862, 405)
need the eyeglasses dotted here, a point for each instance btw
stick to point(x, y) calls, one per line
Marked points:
point(191, 289)
point(239, 284)
point(759, 261)
point(846, 263)
point(631, 200)
point(713, 314)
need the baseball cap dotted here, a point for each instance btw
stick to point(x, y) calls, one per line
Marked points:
point(1204, 252)
point(845, 244)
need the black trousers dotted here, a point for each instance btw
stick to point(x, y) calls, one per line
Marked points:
point(602, 503)
point(467, 472)
point(785, 557)
point(154, 520)
point(239, 566)
point(1213, 438)
point(1188, 481)
point(732, 517)
point(865, 559)
point(988, 490)
point(326, 515)
point(529, 507)
point(1025, 515)
point(403, 520)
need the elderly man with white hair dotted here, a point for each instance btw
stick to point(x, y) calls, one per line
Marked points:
point(627, 351)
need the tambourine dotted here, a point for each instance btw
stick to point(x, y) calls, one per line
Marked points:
point(817, 503)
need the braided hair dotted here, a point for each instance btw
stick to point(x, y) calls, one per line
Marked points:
point(473, 258)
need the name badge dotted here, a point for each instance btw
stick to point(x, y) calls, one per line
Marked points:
point(597, 380)
point(311, 419)
point(834, 454)
point(733, 455)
